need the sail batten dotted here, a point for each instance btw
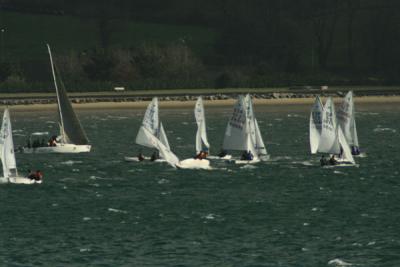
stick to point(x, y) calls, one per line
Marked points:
point(71, 128)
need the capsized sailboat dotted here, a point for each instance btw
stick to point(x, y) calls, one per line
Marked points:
point(346, 117)
point(332, 140)
point(315, 125)
point(238, 133)
point(152, 124)
point(72, 138)
point(7, 155)
point(170, 157)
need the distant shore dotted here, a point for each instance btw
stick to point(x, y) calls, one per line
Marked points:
point(188, 103)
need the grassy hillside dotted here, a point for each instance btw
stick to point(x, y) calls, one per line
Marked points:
point(26, 34)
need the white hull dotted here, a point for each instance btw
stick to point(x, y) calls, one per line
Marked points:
point(60, 148)
point(136, 159)
point(194, 164)
point(253, 161)
point(19, 180)
point(226, 157)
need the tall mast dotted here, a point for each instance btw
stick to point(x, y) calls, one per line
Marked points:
point(58, 96)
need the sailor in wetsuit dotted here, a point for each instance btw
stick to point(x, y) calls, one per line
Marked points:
point(332, 160)
point(323, 161)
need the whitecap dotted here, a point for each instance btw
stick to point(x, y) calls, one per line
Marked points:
point(379, 129)
point(163, 181)
point(117, 210)
point(84, 250)
point(185, 123)
point(70, 162)
point(209, 216)
point(339, 262)
point(248, 166)
point(86, 219)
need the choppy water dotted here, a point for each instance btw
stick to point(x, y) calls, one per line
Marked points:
point(96, 209)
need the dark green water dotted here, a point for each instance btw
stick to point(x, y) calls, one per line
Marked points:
point(98, 210)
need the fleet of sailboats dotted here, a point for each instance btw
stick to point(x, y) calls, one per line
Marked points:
point(72, 138)
point(329, 134)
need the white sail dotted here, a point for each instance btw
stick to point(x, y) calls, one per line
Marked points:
point(152, 124)
point(346, 116)
point(150, 119)
point(328, 142)
point(163, 137)
point(201, 135)
point(315, 125)
point(254, 129)
point(165, 152)
point(235, 134)
point(346, 155)
point(7, 146)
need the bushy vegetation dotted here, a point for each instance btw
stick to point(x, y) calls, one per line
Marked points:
point(187, 44)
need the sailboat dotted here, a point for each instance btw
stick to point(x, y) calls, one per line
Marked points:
point(346, 117)
point(254, 129)
point(315, 125)
point(238, 133)
point(332, 140)
point(152, 124)
point(7, 155)
point(72, 138)
point(169, 156)
point(202, 145)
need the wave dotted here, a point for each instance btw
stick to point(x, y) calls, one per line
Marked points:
point(339, 262)
point(117, 210)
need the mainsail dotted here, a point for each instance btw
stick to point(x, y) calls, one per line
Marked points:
point(346, 152)
point(71, 129)
point(346, 117)
point(7, 146)
point(315, 125)
point(165, 152)
point(254, 129)
point(328, 142)
point(238, 131)
point(152, 124)
point(201, 134)
point(236, 137)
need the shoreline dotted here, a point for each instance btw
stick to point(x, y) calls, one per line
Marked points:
point(189, 103)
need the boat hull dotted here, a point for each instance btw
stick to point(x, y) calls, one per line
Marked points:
point(194, 164)
point(136, 159)
point(20, 180)
point(60, 148)
point(253, 161)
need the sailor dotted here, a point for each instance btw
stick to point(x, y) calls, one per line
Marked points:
point(155, 156)
point(28, 143)
point(38, 175)
point(332, 160)
point(355, 150)
point(323, 161)
point(223, 153)
point(140, 156)
point(247, 155)
point(31, 175)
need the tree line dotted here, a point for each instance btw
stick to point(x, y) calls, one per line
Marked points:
point(258, 43)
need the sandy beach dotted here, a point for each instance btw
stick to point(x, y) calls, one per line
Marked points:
point(365, 100)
